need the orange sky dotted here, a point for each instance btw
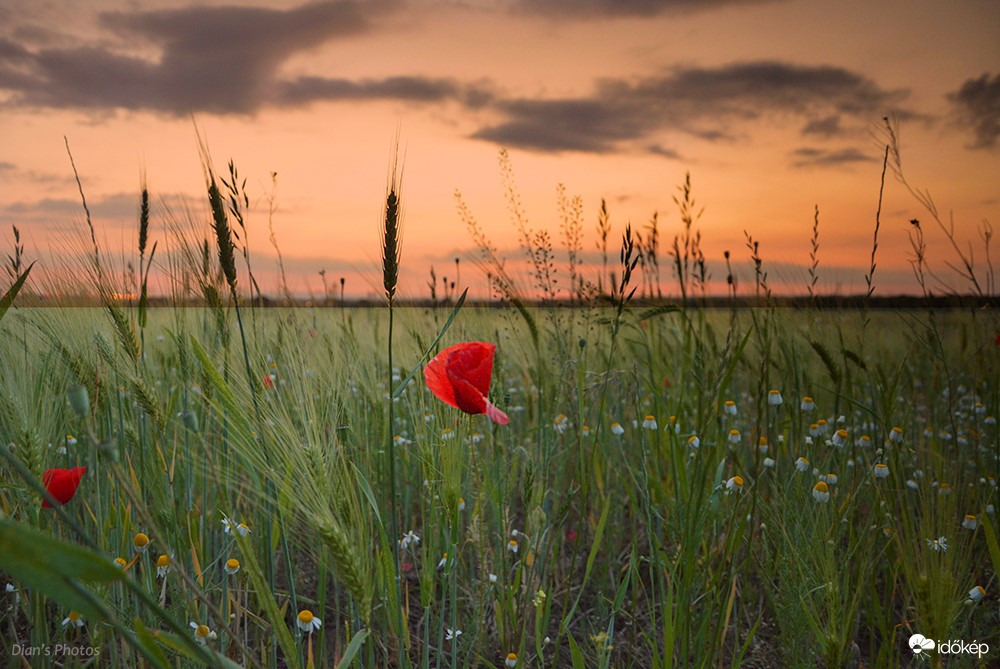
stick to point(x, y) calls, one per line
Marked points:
point(770, 106)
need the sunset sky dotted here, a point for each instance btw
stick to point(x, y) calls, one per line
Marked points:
point(773, 108)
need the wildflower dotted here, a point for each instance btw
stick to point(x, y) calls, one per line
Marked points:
point(400, 440)
point(411, 538)
point(460, 376)
point(729, 408)
point(120, 562)
point(561, 423)
point(228, 526)
point(694, 441)
point(617, 429)
point(807, 404)
point(912, 485)
point(864, 441)
point(511, 661)
point(72, 619)
point(539, 598)
point(268, 381)
point(980, 409)
point(452, 635)
point(492, 578)
point(990, 420)
point(461, 504)
point(307, 622)
point(513, 546)
point(821, 426)
point(428, 417)
point(769, 463)
point(61, 484)
point(802, 464)
point(202, 633)
point(774, 397)
point(585, 430)
point(677, 426)
point(829, 478)
point(821, 492)
point(977, 593)
point(735, 484)
point(939, 545)
point(70, 440)
point(232, 566)
point(762, 445)
point(944, 489)
point(896, 435)
point(162, 566)
point(881, 470)
point(443, 561)
point(840, 438)
point(649, 423)
point(734, 436)
point(141, 542)
point(447, 434)
point(969, 522)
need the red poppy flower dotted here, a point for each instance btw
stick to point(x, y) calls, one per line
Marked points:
point(460, 376)
point(268, 381)
point(62, 484)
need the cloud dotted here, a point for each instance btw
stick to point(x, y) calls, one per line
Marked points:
point(977, 103)
point(589, 9)
point(304, 90)
point(814, 157)
point(221, 59)
point(823, 127)
point(701, 102)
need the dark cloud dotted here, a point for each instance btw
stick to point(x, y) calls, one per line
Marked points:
point(413, 89)
point(814, 157)
point(216, 59)
point(823, 127)
point(977, 102)
point(658, 150)
point(577, 9)
point(702, 102)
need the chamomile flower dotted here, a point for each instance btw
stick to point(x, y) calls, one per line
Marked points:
point(864, 441)
point(447, 434)
point(585, 431)
point(802, 464)
point(73, 619)
point(162, 565)
point(939, 545)
point(821, 426)
point(821, 492)
point(443, 561)
point(729, 408)
point(141, 542)
point(769, 463)
point(409, 539)
point(649, 423)
point(734, 484)
point(307, 622)
point(944, 489)
point(561, 423)
point(492, 578)
point(70, 440)
point(511, 661)
point(896, 435)
point(912, 485)
point(774, 397)
point(202, 633)
point(734, 436)
point(830, 479)
point(762, 445)
point(232, 566)
point(120, 562)
point(452, 635)
point(461, 504)
point(229, 526)
point(513, 546)
point(400, 440)
point(840, 438)
point(969, 522)
point(807, 404)
point(977, 593)
point(694, 441)
point(881, 470)
point(617, 429)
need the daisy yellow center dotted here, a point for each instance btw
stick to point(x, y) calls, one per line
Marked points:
point(140, 540)
point(649, 418)
point(881, 466)
point(202, 631)
point(968, 517)
point(821, 486)
point(842, 434)
point(734, 432)
point(73, 616)
point(512, 657)
point(305, 616)
point(233, 563)
point(120, 561)
point(738, 481)
point(162, 561)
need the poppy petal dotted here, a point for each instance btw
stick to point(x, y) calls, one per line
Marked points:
point(495, 414)
point(437, 380)
point(473, 362)
point(62, 484)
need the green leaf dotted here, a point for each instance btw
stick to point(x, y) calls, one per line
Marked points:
point(576, 657)
point(447, 324)
point(56, 569)
point(352, 649)
point(8, 297)
point(991, 543)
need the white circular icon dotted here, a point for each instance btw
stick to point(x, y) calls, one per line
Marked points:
point(919, 643)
